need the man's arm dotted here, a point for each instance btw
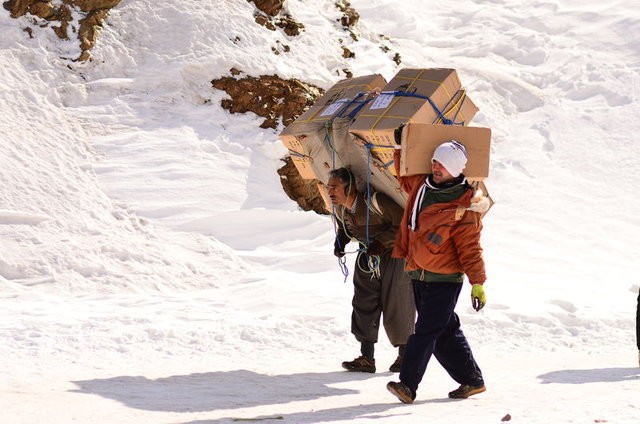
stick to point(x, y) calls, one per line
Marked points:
point(406, 183)
point(466, 239)
point(342, 238)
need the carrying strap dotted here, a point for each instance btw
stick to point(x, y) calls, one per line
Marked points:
point(373, 204)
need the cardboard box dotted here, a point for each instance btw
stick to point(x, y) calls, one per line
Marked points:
point(378, 119)
point(305, 136)
point(300, 155)
point(343, 97)
point(420, 140)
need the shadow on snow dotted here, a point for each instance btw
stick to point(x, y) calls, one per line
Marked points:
point(219, 390)
point(600, 375)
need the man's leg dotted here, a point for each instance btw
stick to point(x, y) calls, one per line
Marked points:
point(398, 305)
point(638, 327)
point(454, 354)
point(435, 303)
point(365, 317)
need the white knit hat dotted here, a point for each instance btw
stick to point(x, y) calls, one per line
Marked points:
point(452, 155)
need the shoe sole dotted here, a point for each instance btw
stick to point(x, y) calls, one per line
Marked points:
point(469, 393)
point(401, 395)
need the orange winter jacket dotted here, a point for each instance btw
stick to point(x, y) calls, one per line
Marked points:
point(447, 237)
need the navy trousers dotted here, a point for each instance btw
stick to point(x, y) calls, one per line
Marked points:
point(438, 333)
point(638, 322)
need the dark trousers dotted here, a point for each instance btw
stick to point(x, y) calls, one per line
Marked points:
point(438, 333)
point(638, 322)
point(391, 296)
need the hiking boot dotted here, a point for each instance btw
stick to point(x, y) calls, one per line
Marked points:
point(360, 364)
point(397, 365)
point(401, 391)
point(465, 390)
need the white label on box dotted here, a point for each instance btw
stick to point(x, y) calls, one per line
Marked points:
point(382, 101)
point(334, 107)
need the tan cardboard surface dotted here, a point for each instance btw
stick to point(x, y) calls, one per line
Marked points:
point(376, 123)
point(336, 100)
point(420, 140)
point(301, 155)
point(304, 137)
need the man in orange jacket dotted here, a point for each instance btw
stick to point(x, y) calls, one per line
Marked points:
point(440, 240)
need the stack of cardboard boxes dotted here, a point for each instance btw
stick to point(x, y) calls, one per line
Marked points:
point(353, 125)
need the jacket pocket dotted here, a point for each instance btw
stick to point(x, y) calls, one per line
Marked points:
point(434, 233)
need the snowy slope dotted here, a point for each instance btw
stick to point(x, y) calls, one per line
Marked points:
point(153, 270)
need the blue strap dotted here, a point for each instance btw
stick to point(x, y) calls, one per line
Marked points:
point(445, 120)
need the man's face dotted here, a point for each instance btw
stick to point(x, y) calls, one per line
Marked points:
point(335, 187)
point(440, 173)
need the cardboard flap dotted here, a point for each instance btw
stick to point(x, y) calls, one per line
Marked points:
point(420, 140)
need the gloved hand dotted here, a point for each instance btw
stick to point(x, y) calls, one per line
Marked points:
point(376, 248)
point(478, 298)
point(397, 134)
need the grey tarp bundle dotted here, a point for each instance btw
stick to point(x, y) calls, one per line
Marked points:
point(329, 145)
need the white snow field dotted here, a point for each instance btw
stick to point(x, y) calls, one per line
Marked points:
point(152, 270)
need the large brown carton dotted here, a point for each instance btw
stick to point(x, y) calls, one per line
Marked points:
point(420, 140)
point(430, 96)
point(343, 96)
point(308, 137)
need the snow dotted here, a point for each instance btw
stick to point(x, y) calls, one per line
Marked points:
point(153, 270)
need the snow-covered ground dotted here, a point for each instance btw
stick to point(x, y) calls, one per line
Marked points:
point(152, 269)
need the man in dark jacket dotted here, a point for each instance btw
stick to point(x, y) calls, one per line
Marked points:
point(440, 240)
point(381, 286)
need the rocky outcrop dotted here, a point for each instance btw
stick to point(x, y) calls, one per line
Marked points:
point(349, 15)
point(304, 192)
point(268, 96)
point(277, 100)
point(270, 7)
point(94, 13)
point(271, 15)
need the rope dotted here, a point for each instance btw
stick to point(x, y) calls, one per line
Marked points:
point(299, 155)
point(373, 264)
point(327, 139)
point(374, 261)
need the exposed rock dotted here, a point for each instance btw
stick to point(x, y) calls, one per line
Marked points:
point(270, 16)
point(349, 15)
point(41, 8)
point(18, 7)
point(304, 192)
point(63, 15)
point(89, 28)
point(91, 5)
point(289, 25)
point(347, 73)
point(265, 21)
point(267, 96)
point(270, 7)
point(273, 98)
point(95, 12)
point(45, 10)
point(347, 54)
